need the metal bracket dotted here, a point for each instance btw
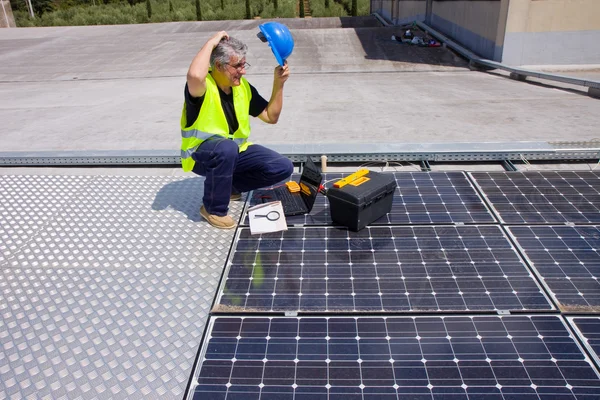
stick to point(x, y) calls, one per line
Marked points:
point(509, 166)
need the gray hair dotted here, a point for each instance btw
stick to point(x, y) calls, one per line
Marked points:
point(226, 49)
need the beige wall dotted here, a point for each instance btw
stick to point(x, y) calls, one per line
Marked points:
point(7, 20)
point(552, 32)
point(553, 15)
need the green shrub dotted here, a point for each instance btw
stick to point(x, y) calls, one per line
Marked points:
point(83, 12)
point(23, 19)
point(318, 9)
point(285, 9)
point(362, 6)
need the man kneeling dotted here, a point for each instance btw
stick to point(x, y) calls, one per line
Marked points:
point(215, 127)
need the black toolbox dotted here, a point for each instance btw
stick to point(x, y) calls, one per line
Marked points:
point(361, 198)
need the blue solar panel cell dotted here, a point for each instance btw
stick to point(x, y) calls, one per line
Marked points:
point(567, 259)
point(542, 197)
point(421, 198)
point(470, 357)
point(416, 268)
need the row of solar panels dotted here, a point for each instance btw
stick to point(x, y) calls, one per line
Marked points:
point(454, 244)
point(414, 269)
point(417, 358)
point(452, 197)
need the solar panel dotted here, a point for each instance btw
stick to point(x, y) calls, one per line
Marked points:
point(588, 329)
point(567, 259)
point(417, 358)
point(542, 197)
point(401, 268)
point(421, 198)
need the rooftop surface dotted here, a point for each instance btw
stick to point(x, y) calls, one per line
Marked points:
point(108, 275)
point(121, 88)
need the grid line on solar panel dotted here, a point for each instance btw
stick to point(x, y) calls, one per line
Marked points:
point(439, 358)
point(387, 269)
point(588, 330)
point(542, 197)
point(567, 260)
point(420, 198)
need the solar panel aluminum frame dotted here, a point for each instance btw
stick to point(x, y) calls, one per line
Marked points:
point(573, 334)
point(540, 278)
point(583, 339)
point(219, 309)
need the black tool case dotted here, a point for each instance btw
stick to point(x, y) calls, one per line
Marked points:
point(362, 201)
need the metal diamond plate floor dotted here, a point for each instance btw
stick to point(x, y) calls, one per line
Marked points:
point(105, 285)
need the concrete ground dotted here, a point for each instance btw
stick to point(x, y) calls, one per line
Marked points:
point(121, 88)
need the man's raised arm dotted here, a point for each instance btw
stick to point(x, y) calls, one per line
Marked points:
point(196, 76)
point(271, 113)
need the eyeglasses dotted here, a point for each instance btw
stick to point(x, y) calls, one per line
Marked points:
point(240, 66)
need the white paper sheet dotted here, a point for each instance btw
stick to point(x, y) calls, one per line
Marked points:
point(259, 223)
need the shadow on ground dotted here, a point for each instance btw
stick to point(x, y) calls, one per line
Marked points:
point(378, 44)
point(184, 196)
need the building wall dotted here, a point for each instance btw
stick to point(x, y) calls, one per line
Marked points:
point(515, 32)
point(400, 11)
point(552, 32)
point(473, 23)
point(410, 10)
point(7, 20)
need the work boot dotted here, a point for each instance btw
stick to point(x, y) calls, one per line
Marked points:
point(224, 222)
point(235, 196)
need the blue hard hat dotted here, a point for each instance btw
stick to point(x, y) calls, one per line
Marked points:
point(279, 38)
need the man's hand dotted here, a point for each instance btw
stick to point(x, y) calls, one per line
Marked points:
point(217, 37)
point(196, 76)
point(281, 74)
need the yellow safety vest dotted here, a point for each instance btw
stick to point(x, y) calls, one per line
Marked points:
point(211, 120)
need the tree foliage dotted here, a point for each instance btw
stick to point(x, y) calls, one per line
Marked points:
point(110, 12)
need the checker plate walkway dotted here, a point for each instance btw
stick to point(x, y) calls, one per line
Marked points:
point(105, 285)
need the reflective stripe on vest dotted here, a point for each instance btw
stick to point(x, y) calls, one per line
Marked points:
point(211, 121)
point(196, 133)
